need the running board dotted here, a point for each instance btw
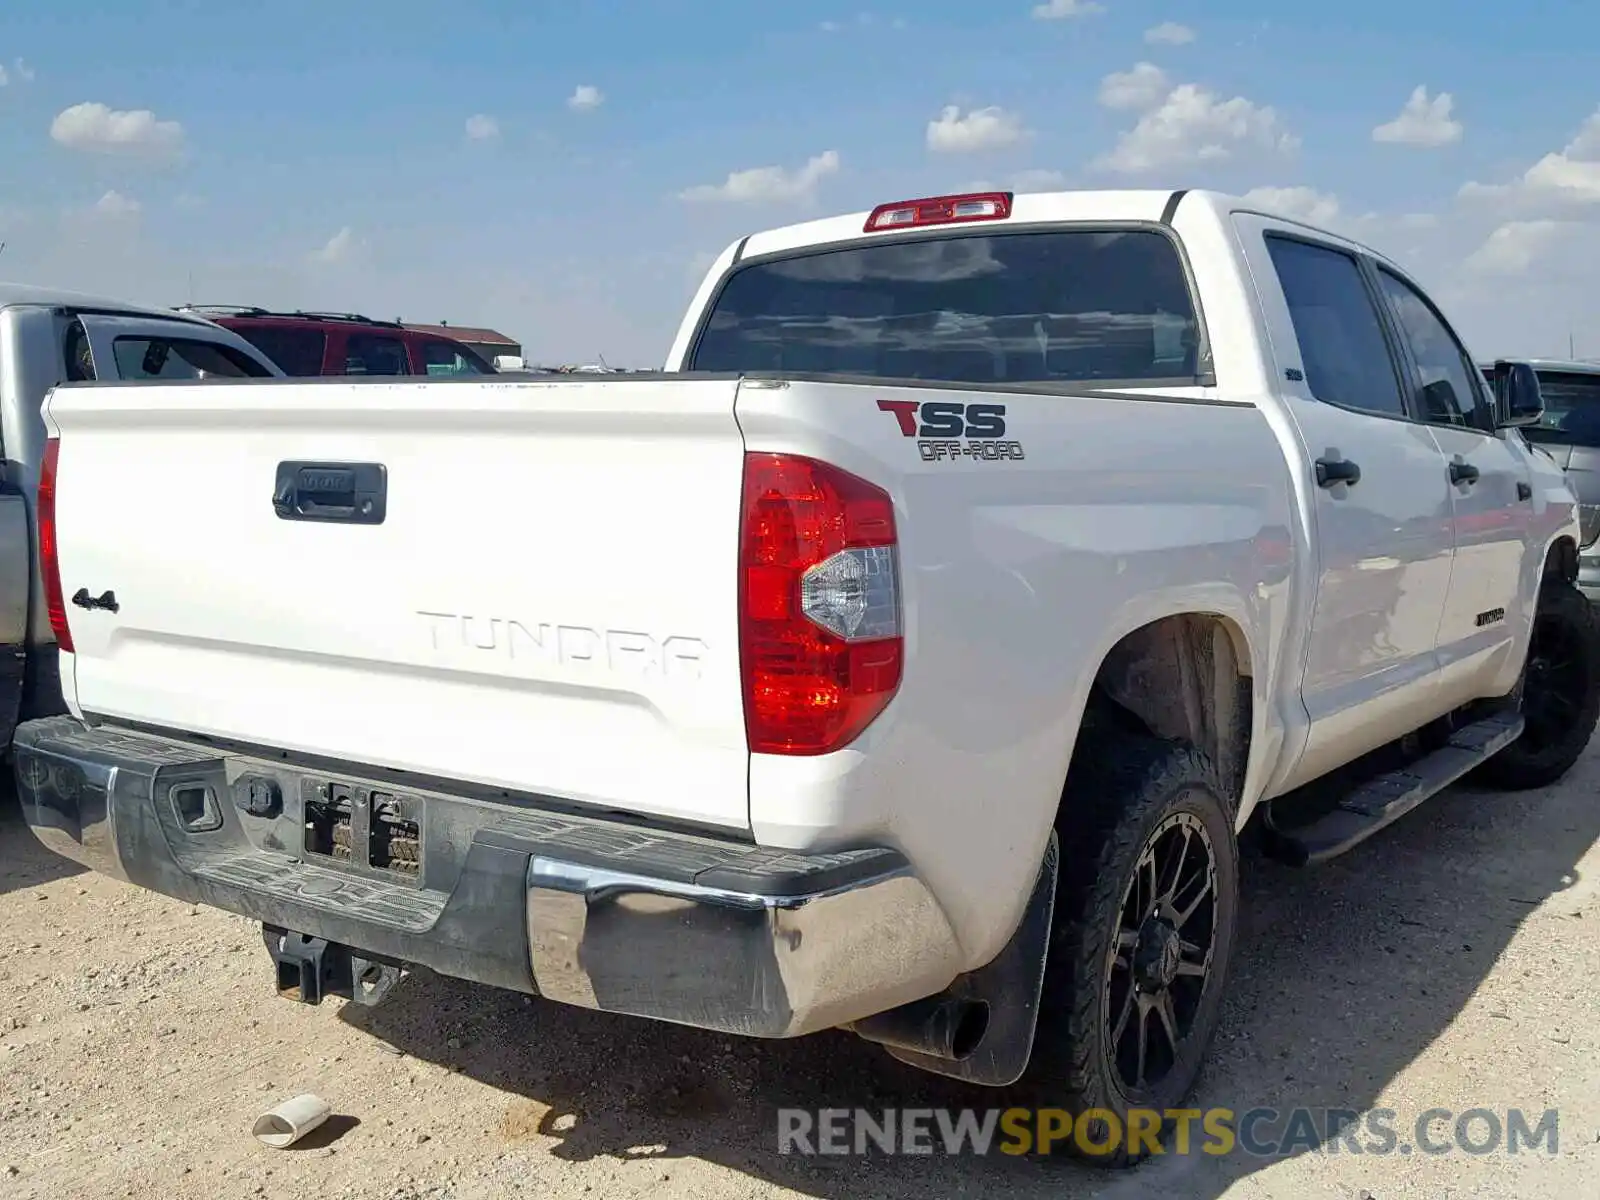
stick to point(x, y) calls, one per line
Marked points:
point(1384, 799)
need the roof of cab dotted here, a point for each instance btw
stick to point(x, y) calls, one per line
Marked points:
point(1143, 204)
point(12, 294)
point(1568, 366)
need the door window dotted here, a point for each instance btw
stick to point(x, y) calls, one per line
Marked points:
point(1445, 380)
point(366, 354)
point(296, 351)
point(441, 358)
point(1343, 350)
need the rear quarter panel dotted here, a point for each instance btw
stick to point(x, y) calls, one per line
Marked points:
point(1018, 577)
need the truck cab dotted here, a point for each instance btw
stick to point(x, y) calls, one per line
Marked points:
point(50, 338)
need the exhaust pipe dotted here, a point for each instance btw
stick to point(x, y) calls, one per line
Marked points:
point(943, 1026)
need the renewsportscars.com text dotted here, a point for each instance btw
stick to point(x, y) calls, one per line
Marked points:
point(1257, 1132)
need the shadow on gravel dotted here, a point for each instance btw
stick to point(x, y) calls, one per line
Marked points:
point(1346, 974)
point(23, 861)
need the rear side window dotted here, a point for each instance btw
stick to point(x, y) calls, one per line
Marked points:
point(1342, 348)
point(365, 354)
point(180, 358)
point(295, 351)
point(1067, 306)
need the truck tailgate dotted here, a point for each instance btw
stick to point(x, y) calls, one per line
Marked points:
point(549, 604)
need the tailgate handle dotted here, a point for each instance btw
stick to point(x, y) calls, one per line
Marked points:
point(349, 493)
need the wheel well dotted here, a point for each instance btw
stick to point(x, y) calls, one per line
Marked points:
point(1562, 561)
point(1186, 678)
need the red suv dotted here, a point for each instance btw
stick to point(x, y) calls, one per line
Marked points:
point(319, 343)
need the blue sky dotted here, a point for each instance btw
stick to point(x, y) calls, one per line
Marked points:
point(322, 155)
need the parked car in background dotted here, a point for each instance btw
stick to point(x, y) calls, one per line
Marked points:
point(48, 338)
point(1569, 432)
point(325, 343)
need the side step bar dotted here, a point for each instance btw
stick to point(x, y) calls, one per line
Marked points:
point(1383, 800)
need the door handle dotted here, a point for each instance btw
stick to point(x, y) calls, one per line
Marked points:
point(1334, 471)
point(1463, 472)
point(1524, 491)
point(349, 493)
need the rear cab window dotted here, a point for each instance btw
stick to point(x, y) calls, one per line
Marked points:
point(181, 358)
point(1067, 306)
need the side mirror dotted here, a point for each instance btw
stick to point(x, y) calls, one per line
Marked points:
point(1517, 398)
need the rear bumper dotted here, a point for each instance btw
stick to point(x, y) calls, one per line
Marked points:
point(598, 913)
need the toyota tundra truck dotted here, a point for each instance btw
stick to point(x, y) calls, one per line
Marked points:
point(908, 657)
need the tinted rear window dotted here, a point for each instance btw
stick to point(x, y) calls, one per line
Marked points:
point(296, 351)
point(181, 358)
point(1062, 306)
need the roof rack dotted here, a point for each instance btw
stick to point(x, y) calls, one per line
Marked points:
point(250, 310)
point(237, 310)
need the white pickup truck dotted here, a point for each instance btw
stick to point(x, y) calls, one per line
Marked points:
point(908, 657)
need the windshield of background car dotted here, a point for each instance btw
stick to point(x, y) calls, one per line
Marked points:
point(1571, 409)
point(1061, 306)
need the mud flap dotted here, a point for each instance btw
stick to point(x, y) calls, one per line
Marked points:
point(1011, 986)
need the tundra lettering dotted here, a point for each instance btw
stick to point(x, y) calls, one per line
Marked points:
point(624, 651)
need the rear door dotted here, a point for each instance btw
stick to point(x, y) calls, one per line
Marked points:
point(540, 597)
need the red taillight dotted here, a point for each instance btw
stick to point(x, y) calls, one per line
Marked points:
point(940, 210)
point(819, 593)
point(49, 560)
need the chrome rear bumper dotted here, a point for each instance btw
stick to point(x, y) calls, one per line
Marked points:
point(606, 915)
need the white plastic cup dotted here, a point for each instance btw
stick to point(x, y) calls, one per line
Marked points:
point(291, 1121)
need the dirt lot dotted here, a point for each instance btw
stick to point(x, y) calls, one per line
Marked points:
point(1451, 963)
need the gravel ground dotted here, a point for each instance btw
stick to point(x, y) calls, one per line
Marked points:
point(1449, 963)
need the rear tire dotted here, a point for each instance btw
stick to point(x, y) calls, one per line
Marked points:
point(1560, 693)
point(1146, 908)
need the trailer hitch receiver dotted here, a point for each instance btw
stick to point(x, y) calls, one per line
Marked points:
point(310, 968)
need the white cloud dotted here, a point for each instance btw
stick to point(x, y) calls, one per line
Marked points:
point(1169, 33)
point(19, 72)
point(981, 129)
point(1060, 10)
point(115, 206)
point(1144, 87)
point(1571, 174)
point(482, 127)
point(1423, 122)
point(585, 98)
point(1195, 125)
point(1297, 203)
point(96, 129)
point(767, 184)
point(1517, 246)
point(341, 247)
point(830, 27)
